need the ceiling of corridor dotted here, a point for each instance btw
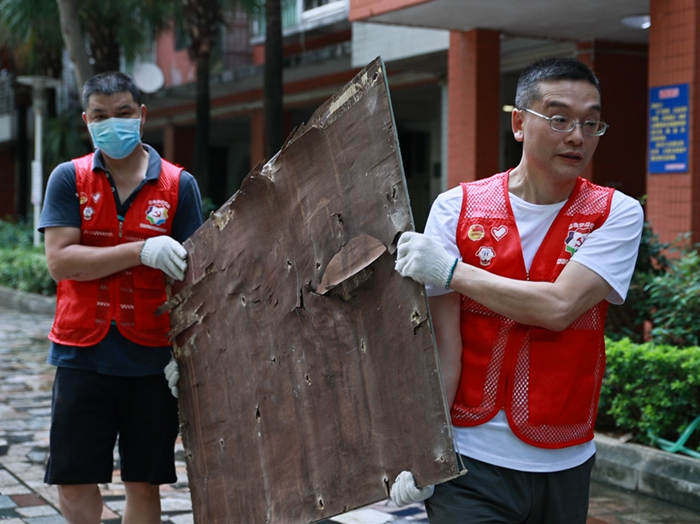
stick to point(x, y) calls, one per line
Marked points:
point(553, 19)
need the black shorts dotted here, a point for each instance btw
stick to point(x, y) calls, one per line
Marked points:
point(89, 410)
point(488, 493)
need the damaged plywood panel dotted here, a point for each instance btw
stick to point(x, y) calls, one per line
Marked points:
point(309, 377)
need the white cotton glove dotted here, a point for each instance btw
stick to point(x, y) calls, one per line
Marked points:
point(166, 254)
point(172, 375)
point(405, 492)
point(424, 260)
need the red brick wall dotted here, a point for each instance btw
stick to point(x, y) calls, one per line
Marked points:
point(673, 206)
point(176, 65)
point(474, 106)
point(259, 54)
point(361, 9)
point(178, 145)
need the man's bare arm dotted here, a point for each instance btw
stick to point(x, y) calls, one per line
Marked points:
point(67, 258)
point(444, 310)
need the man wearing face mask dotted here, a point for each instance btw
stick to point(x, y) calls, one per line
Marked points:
point(114, 221)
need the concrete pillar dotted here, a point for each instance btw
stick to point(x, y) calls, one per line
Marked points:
point(673, 205)
point(178, 146)
point(474, 79)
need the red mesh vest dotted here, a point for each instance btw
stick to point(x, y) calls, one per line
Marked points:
point(548, 382)
point(84, 310)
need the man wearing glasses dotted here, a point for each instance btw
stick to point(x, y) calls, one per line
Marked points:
point(519, 269)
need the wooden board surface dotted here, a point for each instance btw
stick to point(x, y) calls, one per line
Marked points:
point(309, 377)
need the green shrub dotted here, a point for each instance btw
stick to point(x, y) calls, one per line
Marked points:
point(650, 387)
point(16, 233)
point(627, 320)
point(208, 207)
point(675, 297)
point(24, 268)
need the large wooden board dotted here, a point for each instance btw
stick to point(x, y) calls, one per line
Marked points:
point(309, 376)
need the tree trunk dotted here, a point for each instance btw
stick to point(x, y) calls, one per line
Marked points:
point(104, 42)
point(273, 86)
point(201, 144)
point(74, 41)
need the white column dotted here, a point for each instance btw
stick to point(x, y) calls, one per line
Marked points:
point(39, 85)
point(39, 105)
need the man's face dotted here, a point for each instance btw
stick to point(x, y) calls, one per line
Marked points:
point(561, 157)
point(117, 105)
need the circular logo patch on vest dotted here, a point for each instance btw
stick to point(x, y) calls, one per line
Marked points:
point(476, 232)
point(88, 212)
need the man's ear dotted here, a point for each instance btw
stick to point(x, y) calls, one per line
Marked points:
point(143, 118)
point(85, 117)
point(517, 123)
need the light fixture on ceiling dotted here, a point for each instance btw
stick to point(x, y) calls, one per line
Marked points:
point(637, 21)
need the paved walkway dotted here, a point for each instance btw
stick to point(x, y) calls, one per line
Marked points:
point(25, 410)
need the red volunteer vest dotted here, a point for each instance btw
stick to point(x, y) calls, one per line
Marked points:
point(84, 310)
point(548, 382)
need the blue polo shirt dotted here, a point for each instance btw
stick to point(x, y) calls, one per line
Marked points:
point(115, 354)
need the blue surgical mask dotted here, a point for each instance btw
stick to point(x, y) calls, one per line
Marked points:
point(116, 137)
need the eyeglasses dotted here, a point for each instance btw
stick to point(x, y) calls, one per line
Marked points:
point(564, 124)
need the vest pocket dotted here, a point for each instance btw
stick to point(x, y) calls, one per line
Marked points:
point(76, 307)
point(562, 376)
point(149, 294)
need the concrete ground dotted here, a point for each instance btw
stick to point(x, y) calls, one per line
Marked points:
point(25, 401)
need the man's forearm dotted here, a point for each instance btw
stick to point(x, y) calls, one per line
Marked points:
point(544, 304)
point(83, 263)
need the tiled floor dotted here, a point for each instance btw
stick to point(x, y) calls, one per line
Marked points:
point(25, 408)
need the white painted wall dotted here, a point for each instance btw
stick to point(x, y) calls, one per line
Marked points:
point(394, 42)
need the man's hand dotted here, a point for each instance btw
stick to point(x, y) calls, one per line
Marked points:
point(424, 260)
point(166, 254)
point(172, 375)
point(405, 492)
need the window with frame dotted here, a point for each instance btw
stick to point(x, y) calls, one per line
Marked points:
point(313, 4)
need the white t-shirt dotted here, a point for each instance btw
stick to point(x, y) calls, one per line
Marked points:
point(610, 251)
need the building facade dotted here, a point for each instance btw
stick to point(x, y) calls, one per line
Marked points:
point(644, 52)
point(452, 67)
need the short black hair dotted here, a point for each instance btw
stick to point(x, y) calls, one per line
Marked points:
point(110, 83)
point(548, 69)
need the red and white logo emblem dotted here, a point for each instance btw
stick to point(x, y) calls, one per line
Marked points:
point(486, 254)
point(157, 215)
